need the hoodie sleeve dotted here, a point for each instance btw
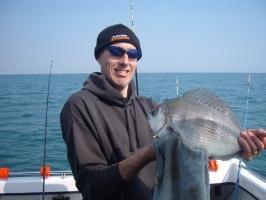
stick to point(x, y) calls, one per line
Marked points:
point(94, 178)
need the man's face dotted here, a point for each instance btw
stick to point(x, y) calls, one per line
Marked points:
point(119, 71)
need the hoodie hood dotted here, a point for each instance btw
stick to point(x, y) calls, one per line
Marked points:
point(98, 85)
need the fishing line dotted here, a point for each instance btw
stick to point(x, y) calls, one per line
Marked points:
point(45, 133)
point(132, 27)
point(236, 195)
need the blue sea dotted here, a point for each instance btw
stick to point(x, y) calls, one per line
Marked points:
point(23, 105)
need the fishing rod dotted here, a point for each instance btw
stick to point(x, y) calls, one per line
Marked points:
point(177, 86)
point(45, 134)
point(132, 27)
point(236, 195)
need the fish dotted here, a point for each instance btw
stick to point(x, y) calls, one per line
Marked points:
point(201, 120)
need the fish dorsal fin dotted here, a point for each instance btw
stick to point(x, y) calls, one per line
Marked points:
point(208, 98)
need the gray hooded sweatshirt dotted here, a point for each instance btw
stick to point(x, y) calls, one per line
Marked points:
point(100, 129)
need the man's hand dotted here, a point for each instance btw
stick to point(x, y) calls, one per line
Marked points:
point(133, 164)
point(252, 141)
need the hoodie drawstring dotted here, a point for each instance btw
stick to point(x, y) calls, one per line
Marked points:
point(130, 129)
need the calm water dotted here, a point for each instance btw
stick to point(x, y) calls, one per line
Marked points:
point(23, 104)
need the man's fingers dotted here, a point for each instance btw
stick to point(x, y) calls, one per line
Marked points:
point(259, 144)
point(252, 141)
point(264, 142)
point(261, 134)
point(245, 147)
point(246, 135)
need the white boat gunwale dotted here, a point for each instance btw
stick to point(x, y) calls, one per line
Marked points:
point(252, 186)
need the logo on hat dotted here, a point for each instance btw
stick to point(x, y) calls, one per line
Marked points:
point(119, 37)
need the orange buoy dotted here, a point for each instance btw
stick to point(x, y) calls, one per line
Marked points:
point(45, 171)
point(213, 165)
point(4, 172)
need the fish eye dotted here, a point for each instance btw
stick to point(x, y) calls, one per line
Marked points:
point(154, 112)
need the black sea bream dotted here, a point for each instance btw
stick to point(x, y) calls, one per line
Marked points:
point(201, 120)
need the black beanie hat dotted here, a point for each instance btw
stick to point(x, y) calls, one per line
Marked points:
point(114, 34)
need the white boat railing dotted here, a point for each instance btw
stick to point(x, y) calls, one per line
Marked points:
point(35, 173)
point(63, 181)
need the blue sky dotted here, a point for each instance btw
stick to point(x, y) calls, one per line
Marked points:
point(176, 36)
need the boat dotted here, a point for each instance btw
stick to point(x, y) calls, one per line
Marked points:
point(223, 182)
point(60, 185)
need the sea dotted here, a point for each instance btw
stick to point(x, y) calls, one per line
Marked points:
point(23, 103)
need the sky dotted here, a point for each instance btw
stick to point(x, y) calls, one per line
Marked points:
point(175, 35)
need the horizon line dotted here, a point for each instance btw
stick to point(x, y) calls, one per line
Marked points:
point(138, 73)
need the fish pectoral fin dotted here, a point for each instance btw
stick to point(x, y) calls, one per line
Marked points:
point(170, 129)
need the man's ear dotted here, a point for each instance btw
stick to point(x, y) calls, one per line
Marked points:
point(98, 61)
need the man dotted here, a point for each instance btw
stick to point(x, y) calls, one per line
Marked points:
point(109, 142)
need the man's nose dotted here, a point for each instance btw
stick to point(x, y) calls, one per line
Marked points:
point(124, 59)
